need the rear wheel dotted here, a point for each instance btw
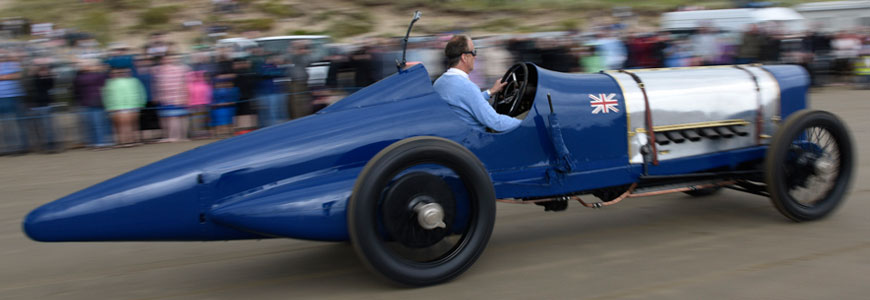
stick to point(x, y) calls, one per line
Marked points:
point(809, 165)
point(422, 211)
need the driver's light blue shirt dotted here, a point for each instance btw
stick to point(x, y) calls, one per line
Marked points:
point(465, 98)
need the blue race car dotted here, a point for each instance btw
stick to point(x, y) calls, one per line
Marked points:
point(394, 170)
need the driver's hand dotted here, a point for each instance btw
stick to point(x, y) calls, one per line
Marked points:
point(497, 87)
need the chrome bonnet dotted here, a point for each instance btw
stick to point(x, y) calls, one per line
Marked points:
point(686, 103)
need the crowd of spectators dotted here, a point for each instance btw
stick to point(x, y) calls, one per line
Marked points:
point(831, 58)
point(840, 56)
point(129, 96)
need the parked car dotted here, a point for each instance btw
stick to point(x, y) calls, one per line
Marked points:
point(240, 46)
point(281, 44)
point(318, 70)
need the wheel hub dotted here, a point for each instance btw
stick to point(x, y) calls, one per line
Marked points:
point(805, 165)
point(825, 166)
point(430, 215)
point(417, 209)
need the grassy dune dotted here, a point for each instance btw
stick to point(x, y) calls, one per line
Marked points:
point(111, 20)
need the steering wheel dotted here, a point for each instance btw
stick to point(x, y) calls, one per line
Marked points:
point(507, 101)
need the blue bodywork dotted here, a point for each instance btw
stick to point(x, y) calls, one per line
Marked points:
point(294, 179)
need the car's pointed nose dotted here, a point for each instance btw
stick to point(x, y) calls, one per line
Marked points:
point(129, 207)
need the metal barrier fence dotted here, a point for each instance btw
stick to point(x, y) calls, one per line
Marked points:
point(68, 125)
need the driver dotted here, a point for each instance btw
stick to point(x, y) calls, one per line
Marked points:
point(463, 96)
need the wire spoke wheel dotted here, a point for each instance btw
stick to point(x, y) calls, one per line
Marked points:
point(809, 165)
point(816, 167)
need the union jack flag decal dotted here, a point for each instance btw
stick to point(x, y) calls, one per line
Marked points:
point(603, 103)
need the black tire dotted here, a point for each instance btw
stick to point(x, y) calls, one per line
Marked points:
point(811, 153)
point(376, 246)
point(704, 192)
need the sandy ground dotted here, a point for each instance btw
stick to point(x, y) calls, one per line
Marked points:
point(727, 246)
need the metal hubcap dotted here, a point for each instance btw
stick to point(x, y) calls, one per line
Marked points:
point(417, 208)
point(430, 215)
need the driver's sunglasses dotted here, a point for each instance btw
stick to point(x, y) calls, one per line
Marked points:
point(472, 52)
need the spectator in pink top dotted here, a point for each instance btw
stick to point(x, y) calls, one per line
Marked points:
point(170, 86)
point(199, 92)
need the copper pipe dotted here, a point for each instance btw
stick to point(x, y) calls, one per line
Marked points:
point(607, 203)
point(682, 189)
point(627, 194)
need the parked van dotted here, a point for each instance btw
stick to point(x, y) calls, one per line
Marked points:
point(732, 20)
point(836, 15)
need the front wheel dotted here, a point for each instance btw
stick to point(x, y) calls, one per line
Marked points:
point(422, 211)
point(809, 165)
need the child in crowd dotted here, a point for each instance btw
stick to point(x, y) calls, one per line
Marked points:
point(87, 90)
point(199, 93)
point(223, 108)
point(149, 120)
point(171, 91)
point(273, 104)
point(679, 54)
point(590, 59)
point(862, 66)
point(245, 81)
point(123, 96)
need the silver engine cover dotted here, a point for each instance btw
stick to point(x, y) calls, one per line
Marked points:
point(696, 98)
